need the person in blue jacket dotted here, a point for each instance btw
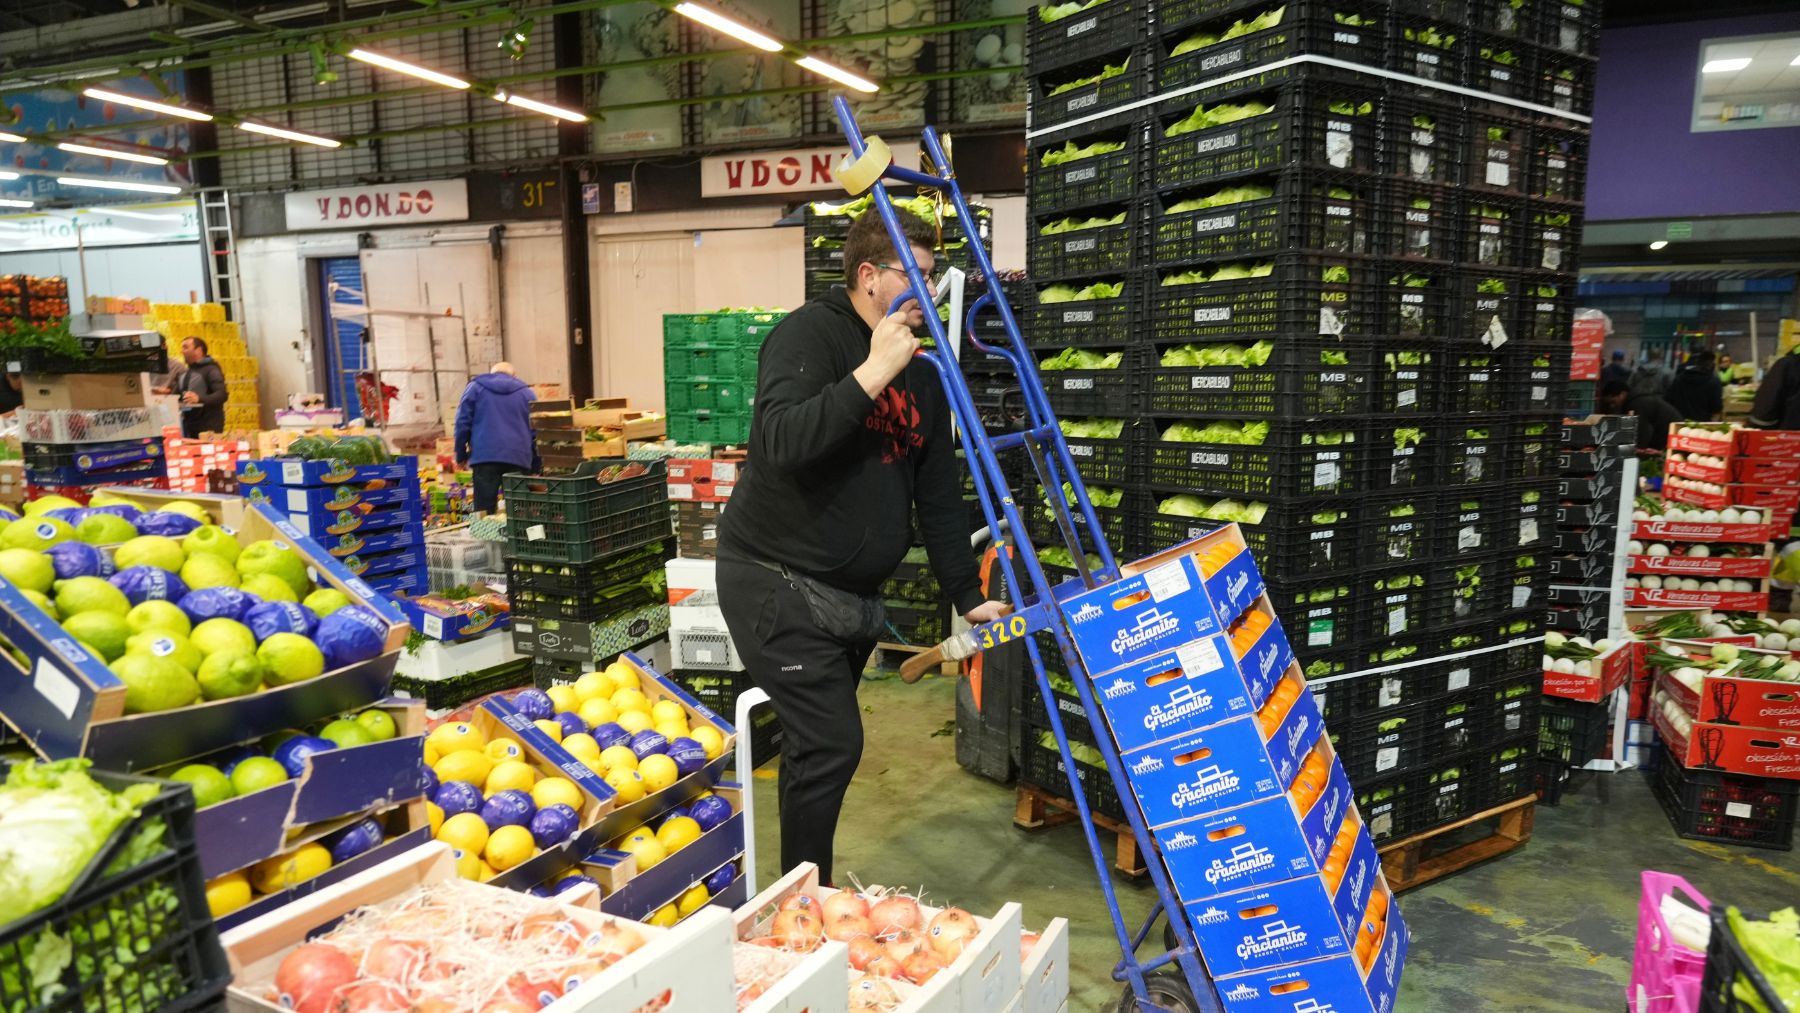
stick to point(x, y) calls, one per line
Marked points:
point(493, 431)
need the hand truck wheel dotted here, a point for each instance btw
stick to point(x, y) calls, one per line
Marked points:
point(1167, 989)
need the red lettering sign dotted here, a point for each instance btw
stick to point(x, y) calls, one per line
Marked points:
point(324, 209)
point(423, 202)
point(734, 173)
point(821, 169)
point(759, 173)
point(343, 208)
point(788, 171)
point(381, 204)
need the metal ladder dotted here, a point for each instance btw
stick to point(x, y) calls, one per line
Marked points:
point(220, 245)
point(1174, 981)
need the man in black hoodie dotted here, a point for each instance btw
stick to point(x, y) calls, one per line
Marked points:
point(848, 434)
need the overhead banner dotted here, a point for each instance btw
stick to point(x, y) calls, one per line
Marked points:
point(799, 170)
point(118, 225)
point(355, 207)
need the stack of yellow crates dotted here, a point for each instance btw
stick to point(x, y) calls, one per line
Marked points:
point(176, 321)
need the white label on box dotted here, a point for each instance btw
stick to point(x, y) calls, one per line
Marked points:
point(1167, 581)
point(293, 473)
point(1382, 825)
point(1330, 323)
point(1199, 657)
point(534, 533)
point(434, 627)
point(56, 687)
point(1496, 333)
point(1397, 621)
point(1468, 538)
point(1325, 475)
point(1513, 721)
point(724, 472)
point(1387, 759)
point(1390, 692)
point(1499, 174)
point(1738, 810)
point(1521, 596)
point(1406, 398)
point(1527, 532)
point(681, 491)
point(1459, 679)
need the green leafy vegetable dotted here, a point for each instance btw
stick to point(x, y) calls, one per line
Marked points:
point(1205, 356)
point(1229, 195)
point(1110, 70)
point(1202, 118)
point(1070, 153)
point(1408, 436)
point(1337, 274)
point(1063, 225)
point(1261, 23)
point(54, 819)
point(1430, 36)
point(1247, 434)
point(1069, 293)
point(1343, 108)
point(1188, 505)
point(1774, 947)
point(1082, 358)
point(1092, 429)
point(1059, 11)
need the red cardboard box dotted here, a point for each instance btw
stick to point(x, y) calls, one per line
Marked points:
point(1768, 443)
point(1614, 667)
point(705, 480)
point(1759, 752)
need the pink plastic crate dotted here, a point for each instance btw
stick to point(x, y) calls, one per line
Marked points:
point(1665, 975)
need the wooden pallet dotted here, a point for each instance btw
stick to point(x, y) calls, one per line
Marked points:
point(949, 668)
point(1038, 809)
point(1418, 859)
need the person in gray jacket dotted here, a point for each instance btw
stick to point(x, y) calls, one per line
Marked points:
point(200, 384)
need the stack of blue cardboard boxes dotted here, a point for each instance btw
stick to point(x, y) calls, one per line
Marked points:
point(369, 516)
point(1223, 750)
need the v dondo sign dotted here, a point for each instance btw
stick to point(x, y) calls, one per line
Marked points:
point(444, 200)
point(799, 170)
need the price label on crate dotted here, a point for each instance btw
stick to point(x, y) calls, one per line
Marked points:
point(1389, 694)
point(1330, 323)
point(1167, 580)
point(1326, 475)
point(1406, 398)
point(1397, 621)
point(1736, 810)
point(1496, 333)
point(1319, 633)
point(534, 533)
point(1199, 657)
point(1387, 758)
point(1459, 679)
point(1468, 538)
point(1521, 596)
point(1498, 173)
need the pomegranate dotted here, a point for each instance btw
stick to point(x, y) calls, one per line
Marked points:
point(801, 902)
point(1027, 942)
point(871, 992)
point(922, 965)
point(394, 960)
point(904, 944)
point(309, 978)
point(550, 932)
point(951, 929)
point(884, 966)
point(798, 929)
point(374, 997)
point(612, 942)
point(849, 927)
point(894, 914)
point(843, 903)
point(864, 950)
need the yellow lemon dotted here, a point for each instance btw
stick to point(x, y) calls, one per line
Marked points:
point(432, 753)
point(436, 812)
point(485, 872)
point(469, 865)
point(597, 711)
point(510, 774)
point(678, 832)
point(563, 698)
point(631, 700)
point(635, 721)
point(508, 846)
point(668, 712)
point(693, 900)
point(665, 916)
point(469, 765)
point(551, 729)
point(465, 832)
point(582, 746)
point(709, 739)
point(504, 749)
point(455, 736)
point(618, 756)
point(658, 772)
point(671, 731)
point(227, 893)
point(623, 675)
point(627, 782)
point(556, 790)
point(273, 875)
point(591, 686)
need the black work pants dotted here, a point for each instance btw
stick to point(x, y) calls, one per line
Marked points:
point(811, 678)
point(487, 483)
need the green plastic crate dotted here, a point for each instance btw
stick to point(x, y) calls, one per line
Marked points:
point(745, 330)
point(682, 330)
point(710, 361)
point(709, 427)
point(687, 397)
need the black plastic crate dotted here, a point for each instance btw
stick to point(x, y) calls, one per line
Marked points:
point(1418, 221)
point(1053, 102)
point(1546, 309)
point(459, 689)
point(1569, 26)
point(1515, 708)
point(1422, 138)
point(1380, 745)
point(1509, 771)
point(1418, 301)
point(1469, 524)
point(1405, 378)
point(1556, 165)
point(1296, 458)
point(1495, 157)
point(1707, 805)
point(1083, 35)
point(1299, 377)
point(130, 360)
point(559, 578)
point(138, 938)
point(1491, 230)
point(587, 607)
point(1108, 461)
point(1535, 446)
point(1400, 602)
point(1094, 241)
point(1352, 31)
point(1115, 522)
point(1572, 732)
point(1550, 239)
point(1303, 540)
point(1503, 66)
point(1433, 49)
point(1453, 12)
point(1471, 586)
point(1404, 454)
point(1093, 176)
point(1092, 321)
point(1331, 214)
point(1565, 83)
point(1398, 529)
point(913, 582)
point(1300, 295)
point(1041, 766)
point(582, 542)
point(584, 496)
point(1473, 381)
point(1534, 507)
point(1158, 530)
point(1104, 393)
point(1474, 450)
point(916, 623)
point(1321, 617)
point(1387, 805)
point(719, 691)
point(1450, 789)
point(1508, 19)
point(1313, 120)
point(1525, 580)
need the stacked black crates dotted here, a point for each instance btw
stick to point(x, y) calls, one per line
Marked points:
point(827, 226)
point(1584, 546)
point(1344, 324)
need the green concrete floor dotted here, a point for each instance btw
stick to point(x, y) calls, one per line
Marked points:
point(1549, 927)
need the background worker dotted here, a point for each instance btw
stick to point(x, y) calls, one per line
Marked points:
point(493, 434)
point(199, 383)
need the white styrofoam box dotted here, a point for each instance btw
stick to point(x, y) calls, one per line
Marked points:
point(689, 575)
point(821, 984)
point(1640, 732)
point(1044, 979)
point(437, 659)
point(698, 638)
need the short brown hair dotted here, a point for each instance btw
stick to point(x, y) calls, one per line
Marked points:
point(868, 242)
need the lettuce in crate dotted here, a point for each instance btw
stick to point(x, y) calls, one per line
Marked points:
point(1082, 358)
point(1222, 198)
point(1202, 356)
point(1092, 429)
point(1069, 293)
point(1217, 116)
point(1248, 434)
point(1070, 153)
point(1261, 23)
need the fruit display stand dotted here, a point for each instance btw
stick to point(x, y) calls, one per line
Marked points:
point(66, 702)
point(285, 877)
point(686, 969)
point(638, 893)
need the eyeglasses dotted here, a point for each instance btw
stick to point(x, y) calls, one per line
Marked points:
point(931, 277)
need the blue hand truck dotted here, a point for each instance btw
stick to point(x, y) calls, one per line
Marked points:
point(1174, 981)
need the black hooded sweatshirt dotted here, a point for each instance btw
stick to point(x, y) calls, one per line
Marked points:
point(833, 476)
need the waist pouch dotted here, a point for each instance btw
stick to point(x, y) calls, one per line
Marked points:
point(846, 615)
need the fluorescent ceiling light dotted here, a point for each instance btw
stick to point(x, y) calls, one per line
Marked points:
point(1795, 62)
point(292, 135)
point(123, 213)
point(14, 138)
point(1725, 66)
point(116, 184)
point(540, 107)
point(143, 103)
point(129, 156)
point(720, 23)
point(8, 175)
point(1659, 244)
point(8, 202)
point(412, 70)
point(838, 74)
